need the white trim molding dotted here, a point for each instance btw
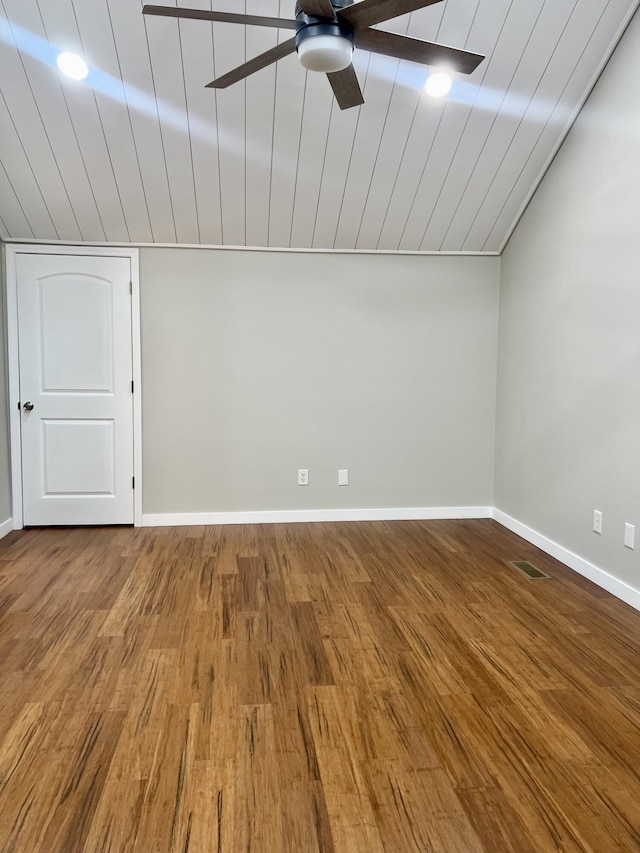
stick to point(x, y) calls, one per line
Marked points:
point(6, 527)
point(599, 576)
point(229, 248)
point(18, 248)
point(292, 516)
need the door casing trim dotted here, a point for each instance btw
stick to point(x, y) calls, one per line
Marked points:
point(11, 253)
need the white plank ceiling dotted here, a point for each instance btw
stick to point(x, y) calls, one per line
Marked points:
point(141, 152)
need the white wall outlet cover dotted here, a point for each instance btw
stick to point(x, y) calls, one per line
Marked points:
point(303, 476)
point(343, 476)
point(597, 521)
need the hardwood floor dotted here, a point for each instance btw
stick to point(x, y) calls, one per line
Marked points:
point(330, 688)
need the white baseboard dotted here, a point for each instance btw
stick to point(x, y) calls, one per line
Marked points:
point(6, 527)
point(291, 516)
point(616, 587)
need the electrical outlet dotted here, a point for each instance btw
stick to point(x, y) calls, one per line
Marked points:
point(303, 476)
point(343, 476)
point(597, 521)
point(629, 535)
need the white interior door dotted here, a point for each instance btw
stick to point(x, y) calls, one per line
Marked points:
point(75, 356)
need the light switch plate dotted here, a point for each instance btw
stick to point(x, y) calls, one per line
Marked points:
point(629, 535)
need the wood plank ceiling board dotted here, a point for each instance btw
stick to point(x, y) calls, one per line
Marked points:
point(318, 106)
point(95, 29)
point(459, 114)
point(549, 111)
point(60, 29)
point(399, 122)
point(229, 51)
point(142, 152)
point(56, 122)
point(494, 32)
point(130, 41)
point(197, 55)
point(538, 52)
point(13, 219)
point(337, 157)
point(511, 48)
point(381, 76)
point(455, 28)
point(259, 121)
point(466, 225)
point(166, 56)
point(22, 179)
point(288, 105)
point(29, 160)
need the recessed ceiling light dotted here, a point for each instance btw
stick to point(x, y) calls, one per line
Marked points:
point(438, 84)
point(72, 65)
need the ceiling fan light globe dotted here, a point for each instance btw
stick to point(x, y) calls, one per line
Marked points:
point(326, 53)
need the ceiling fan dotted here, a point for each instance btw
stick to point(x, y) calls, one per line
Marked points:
point(326, 33)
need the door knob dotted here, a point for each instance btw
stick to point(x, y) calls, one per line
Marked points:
point(28, 407)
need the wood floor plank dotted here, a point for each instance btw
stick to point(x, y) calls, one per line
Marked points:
point(385, 687)
point(351, 815)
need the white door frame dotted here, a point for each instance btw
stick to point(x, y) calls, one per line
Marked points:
point(12, 250)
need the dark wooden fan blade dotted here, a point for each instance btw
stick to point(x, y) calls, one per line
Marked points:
point(415, 50)
point(370, 12)
point(261, 61)
point(317, 8)
point(346, 88)
point(222, 17)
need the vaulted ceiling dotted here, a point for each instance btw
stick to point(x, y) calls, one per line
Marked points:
point(141, 152)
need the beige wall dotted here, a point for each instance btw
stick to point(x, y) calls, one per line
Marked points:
point(5, 475)
point(256, 364)
point(568, 414)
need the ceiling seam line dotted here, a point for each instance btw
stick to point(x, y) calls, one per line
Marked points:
point(273, 136)
point(186, 107)
point(164, 151)
point(295, 182)
point(24, 213)
point(244, 84)
point(321, 180)
point(215, 109)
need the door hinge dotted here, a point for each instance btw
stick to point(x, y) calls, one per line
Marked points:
point(130, 288)
point(132, 386)
point(133, 482)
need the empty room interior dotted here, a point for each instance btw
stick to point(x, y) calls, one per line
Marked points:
point(320, 426)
